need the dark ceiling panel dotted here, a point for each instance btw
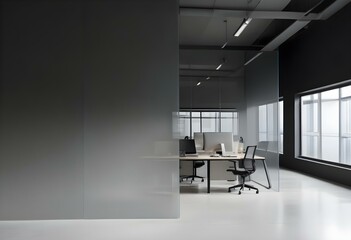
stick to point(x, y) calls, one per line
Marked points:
point(313, 6)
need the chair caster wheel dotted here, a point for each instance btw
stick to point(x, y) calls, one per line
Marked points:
point(257, 192)
point(239, 192)
point(202, 180)
point(229, 190)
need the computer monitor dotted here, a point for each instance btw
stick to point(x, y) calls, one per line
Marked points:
point(187, 146)
point(214, 139)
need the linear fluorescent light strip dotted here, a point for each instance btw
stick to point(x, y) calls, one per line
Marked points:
point(219, 66)
point(242, 27)
point(198, 83)
point(225, 44)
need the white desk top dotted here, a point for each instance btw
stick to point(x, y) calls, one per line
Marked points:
point(220, 158)
point(203, 156)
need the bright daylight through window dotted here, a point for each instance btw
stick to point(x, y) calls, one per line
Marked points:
point(266, 123)
point(201, 121)
point(326, 125)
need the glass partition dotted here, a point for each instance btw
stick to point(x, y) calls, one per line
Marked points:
point(261, 78)
point(87, 110)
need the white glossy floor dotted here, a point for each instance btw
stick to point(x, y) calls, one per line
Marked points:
point(305, 208)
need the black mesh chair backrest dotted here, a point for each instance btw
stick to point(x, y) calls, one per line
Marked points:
point(249, 159)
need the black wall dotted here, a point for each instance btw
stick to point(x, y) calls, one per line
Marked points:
point(316, 57)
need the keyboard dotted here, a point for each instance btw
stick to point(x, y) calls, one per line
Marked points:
point(229, 155)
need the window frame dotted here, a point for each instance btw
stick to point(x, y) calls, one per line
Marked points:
point(281, 126)
point(298, 112)
point(217, 118)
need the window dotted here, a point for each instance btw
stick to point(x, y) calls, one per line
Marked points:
point(326, 125)
point(262, 123)
point(184, 123)
point(210, 121)
point(207, 121)
point(195, 123)
point(267, 123)
point(281, 126)
point(345, 135)
point(229, 122)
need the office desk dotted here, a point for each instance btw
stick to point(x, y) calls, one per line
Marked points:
point(209, 159)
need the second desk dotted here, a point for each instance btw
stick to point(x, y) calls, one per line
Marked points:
point(208, 159)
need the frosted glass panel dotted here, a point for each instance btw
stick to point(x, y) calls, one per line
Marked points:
point(41, 131)
point(262, 123)
point(262, 115)
point(89, 109)
point(131, 164)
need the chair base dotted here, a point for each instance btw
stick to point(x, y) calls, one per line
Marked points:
point(193, 177)
point(242, 186)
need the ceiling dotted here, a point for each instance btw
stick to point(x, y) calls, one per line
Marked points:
point(205, 25)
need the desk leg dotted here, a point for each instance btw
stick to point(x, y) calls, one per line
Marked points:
point(208, 176)
point(267, 175)
point(266, 170)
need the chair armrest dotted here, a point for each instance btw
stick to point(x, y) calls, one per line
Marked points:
point(235, 162)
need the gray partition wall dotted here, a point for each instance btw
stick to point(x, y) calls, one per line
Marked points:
point(262, 95)
point(89, 91)
point(131, 94)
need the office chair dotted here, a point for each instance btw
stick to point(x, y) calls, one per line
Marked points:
point(248, 167)
point(196, 164)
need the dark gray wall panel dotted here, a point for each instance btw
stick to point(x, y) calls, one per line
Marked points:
point(317, 57)
point(218, 93)
point(131, 95)
point(89, 90)
point(41, 128)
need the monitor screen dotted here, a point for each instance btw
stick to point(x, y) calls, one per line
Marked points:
point(214, 139)
point(187, 146)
